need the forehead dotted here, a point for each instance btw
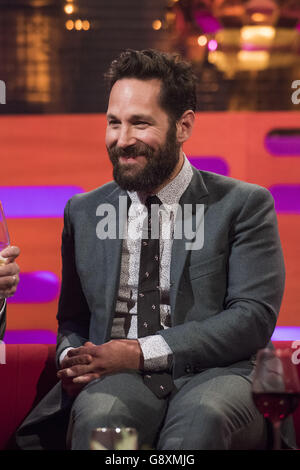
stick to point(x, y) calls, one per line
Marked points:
point(134, 94)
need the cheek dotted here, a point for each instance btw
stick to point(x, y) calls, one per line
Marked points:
point(106, 137)
point(110, 137)
point(154, 139)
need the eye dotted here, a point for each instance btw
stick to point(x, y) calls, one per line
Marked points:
point(141, 124)
point(113, 123)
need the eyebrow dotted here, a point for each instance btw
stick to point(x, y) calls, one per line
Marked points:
point(134, 117)
point(111, 116)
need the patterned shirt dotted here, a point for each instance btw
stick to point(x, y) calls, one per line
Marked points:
point(156, 352)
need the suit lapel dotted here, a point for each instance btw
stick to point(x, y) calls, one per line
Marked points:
point(119, 200)
point(196, 193)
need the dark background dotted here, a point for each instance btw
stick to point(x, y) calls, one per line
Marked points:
point(48, 69)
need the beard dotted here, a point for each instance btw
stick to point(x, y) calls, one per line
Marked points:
point(159, 166)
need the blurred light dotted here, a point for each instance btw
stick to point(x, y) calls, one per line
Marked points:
point(170, 16)
point(69, 25)
point(86, 25)
point(69, 9)
point(254, 60)
point(202, 40)
point(78, 25)
point(258, 17)
point(249, 33)
point(208, 23)
point(212, 45)
point(157, 24)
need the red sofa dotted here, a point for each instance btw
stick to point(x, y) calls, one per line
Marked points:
point(27, 375)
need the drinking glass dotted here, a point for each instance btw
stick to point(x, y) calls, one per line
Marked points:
point(114, 439)
point(276, 387)
point(4, 235)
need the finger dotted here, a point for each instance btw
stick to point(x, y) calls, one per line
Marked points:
point(11, 252)
point(66, 373)
point(81, 350)
point(61, 374)
point(84, 379)
point(76, 352)
point(9, 289)
point(75, 371)
point(73, 361)
point(8, 282)
point(10, 269)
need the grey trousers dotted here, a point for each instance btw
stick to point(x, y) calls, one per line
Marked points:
point(209, 410)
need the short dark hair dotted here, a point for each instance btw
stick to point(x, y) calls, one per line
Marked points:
point(178, 90)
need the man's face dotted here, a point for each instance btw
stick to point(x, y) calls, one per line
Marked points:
point(140, 141)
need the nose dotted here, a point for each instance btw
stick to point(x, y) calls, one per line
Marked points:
point(125, 137)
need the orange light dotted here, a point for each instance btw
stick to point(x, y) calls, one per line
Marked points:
point(78, 25)
point(69, 25)
point(202, 40)
point(86, 25)
point(170, 16)
point(258, 17)
point(157, 24)
point(69, 9)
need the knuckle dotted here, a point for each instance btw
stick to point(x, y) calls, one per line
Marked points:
point(8, 270)
point(88, 358)
point(80, 360)
point(14, 251)
point(13, 290)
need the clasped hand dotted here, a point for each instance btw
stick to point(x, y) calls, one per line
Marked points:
point(89, 362)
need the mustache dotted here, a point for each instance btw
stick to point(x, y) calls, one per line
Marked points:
point(131, 151)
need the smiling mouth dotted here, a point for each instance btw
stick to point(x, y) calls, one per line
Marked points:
point(129, 158)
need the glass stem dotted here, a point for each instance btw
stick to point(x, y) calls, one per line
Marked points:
point(276, 435)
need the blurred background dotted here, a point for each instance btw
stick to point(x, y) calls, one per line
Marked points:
point(53, 54)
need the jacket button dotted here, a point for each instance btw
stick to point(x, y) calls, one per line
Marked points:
point(188, 368)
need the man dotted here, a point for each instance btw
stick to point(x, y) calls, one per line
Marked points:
point(178, 369)
point(9, 279)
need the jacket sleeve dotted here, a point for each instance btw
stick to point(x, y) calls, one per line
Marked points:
point(255, 286)
point(73, 312)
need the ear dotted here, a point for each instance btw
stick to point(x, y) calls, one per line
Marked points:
point(185, 126)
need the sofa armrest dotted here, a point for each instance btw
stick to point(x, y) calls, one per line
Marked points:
point(28, 373)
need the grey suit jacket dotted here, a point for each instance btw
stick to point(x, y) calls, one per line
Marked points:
point(224, 298)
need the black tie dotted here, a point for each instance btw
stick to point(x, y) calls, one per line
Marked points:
point(148, 303)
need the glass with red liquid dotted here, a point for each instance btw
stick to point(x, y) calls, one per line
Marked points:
point(276, 387)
